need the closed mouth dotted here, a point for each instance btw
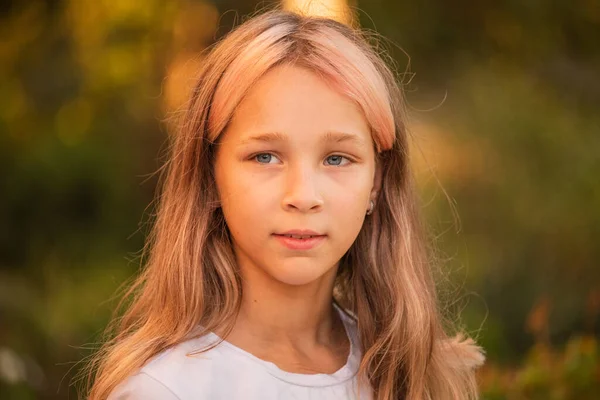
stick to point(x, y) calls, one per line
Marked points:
point(299, 236)
point(300, 242)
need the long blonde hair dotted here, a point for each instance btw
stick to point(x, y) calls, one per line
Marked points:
point(385, 278)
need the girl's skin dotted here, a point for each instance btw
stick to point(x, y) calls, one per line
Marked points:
point(294, 180)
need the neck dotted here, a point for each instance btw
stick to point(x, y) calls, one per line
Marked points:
point(277, 313)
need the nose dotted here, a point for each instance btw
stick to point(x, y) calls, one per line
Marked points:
point(302, 189)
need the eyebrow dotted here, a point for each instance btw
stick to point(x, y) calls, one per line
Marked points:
point(328, 137)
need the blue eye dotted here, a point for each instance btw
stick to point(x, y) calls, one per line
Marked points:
point(264, 158)
point(335, 160)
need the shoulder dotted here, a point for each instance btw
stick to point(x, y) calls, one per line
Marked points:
point(142, 386)
point(183, 371)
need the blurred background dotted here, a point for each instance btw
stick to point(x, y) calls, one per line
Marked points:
point(504, 97)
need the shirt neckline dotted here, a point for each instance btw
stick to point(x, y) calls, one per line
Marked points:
point(346, 372)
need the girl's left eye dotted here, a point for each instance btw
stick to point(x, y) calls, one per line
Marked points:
point(336, 160)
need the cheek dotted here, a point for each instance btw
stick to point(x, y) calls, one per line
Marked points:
point(244, 190)
point(352, 191)
point(349, 210)
point(232, 184)
point(349, 206)
point(244, 203)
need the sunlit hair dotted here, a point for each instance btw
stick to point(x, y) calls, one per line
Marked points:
point(191, 278)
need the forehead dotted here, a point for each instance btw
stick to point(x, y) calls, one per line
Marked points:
point(296, 102)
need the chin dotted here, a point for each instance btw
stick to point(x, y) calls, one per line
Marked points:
point(297, 274)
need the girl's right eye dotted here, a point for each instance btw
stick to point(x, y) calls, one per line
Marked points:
point(264, 158)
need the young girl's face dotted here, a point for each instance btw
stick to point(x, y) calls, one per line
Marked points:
point(297, 155)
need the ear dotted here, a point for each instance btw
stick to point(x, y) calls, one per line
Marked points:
point(377, 181)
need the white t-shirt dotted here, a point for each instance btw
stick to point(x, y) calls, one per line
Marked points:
point(227, 372)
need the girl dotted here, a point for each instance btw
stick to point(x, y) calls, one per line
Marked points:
point(288, 260)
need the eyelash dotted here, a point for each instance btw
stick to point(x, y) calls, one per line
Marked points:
point(350, 161)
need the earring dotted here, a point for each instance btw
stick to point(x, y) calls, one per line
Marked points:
point(371, 207)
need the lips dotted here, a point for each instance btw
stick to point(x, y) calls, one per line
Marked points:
point(300, 236)
point(300, 239)
point(302, 233)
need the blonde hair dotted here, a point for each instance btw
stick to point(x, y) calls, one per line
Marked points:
point(385, 278)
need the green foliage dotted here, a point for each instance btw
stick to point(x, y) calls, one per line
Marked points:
point(547, 374)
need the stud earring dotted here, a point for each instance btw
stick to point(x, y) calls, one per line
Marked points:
point(371, 207)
